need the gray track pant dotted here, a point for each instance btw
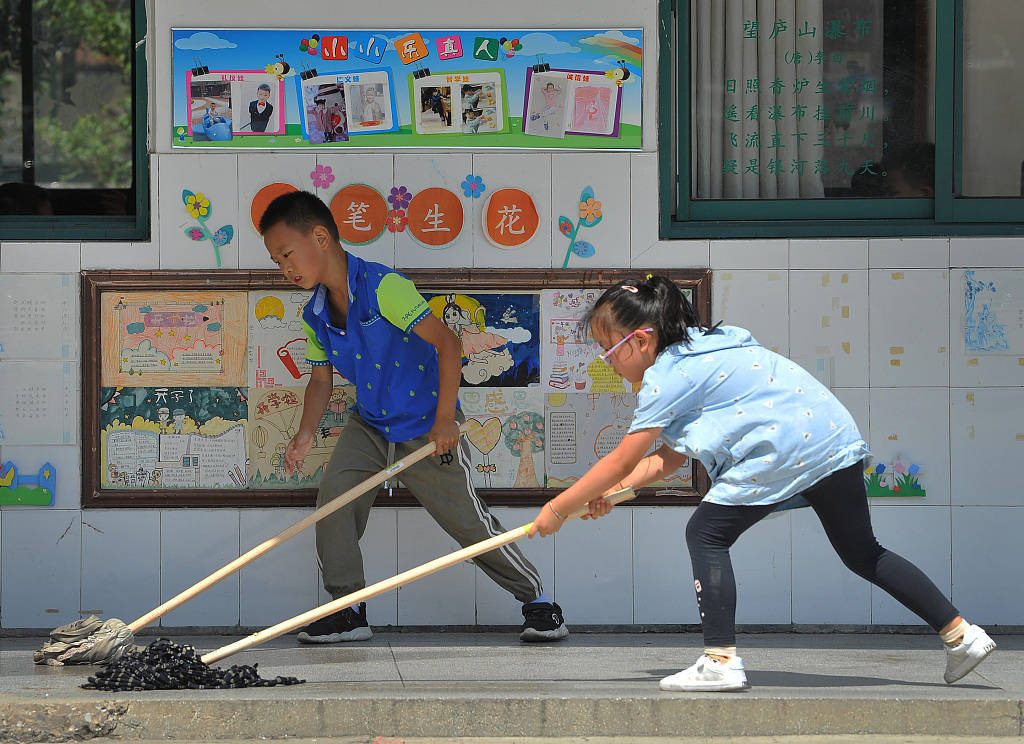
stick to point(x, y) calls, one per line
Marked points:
point(445, 490)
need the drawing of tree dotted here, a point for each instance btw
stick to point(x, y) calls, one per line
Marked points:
point(524, 435)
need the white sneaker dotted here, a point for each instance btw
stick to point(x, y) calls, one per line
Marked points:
point(708, 675)
point(973, 649)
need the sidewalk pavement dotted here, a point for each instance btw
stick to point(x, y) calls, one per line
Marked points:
point(410, 684)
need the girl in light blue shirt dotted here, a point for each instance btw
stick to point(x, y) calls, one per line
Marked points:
point(767, 432)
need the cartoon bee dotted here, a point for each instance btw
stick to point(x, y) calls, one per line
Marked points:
point(619, 74)
point(278, 67)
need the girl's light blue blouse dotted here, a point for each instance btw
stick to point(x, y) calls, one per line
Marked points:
point(763, 427)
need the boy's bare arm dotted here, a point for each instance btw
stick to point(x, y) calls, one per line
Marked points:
point(445, 431)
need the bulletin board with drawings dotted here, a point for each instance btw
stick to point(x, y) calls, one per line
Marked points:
point(193, 386)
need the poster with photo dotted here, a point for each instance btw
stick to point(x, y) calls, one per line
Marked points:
point(572, 102)
point(226, 103)
point(371, 103)
point(461, 103)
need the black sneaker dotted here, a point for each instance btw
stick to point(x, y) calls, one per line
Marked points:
point(343, 625)
point(543, 621)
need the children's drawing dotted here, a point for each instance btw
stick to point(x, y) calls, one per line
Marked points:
point(584, 427)
point(547, 109)
point(499, 355)
point(592, 109)
point(571, 362)
point(899, 480)
point(277, 346)
point(994, 311)
point(173, 437)
point(175, 338)
point(506, 436)
point(275, 420)
point(38, 489)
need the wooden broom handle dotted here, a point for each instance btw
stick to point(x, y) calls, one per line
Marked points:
point(394, 582)
point(327, 509)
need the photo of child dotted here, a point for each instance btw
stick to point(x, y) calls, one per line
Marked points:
point(261, 112)
point(211, 110)
point(326, 119)
point(369, 105)
point(547, 112)
point(435, 114)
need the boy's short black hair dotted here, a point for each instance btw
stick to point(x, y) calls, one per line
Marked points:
point(301, 211)
point(264, 86)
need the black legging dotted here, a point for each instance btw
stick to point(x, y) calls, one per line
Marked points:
point(841, 504)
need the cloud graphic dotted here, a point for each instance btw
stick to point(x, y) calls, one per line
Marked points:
point(516, 335)
point(540, 43)
point(614, 35)
point(204, 40)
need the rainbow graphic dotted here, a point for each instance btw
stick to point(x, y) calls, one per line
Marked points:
point(618, 46)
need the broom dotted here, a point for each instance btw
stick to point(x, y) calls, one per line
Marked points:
point(95, 641)
point(196, 672)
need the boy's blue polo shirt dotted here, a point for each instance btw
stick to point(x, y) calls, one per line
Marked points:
point(394, 371)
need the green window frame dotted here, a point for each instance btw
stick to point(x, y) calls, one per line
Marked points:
point(946, 214)
point(104, 227)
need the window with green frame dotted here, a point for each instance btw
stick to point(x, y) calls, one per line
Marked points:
point(73, 160)
point(783, 118)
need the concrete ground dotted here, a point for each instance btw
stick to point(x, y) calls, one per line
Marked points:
point(443, 686)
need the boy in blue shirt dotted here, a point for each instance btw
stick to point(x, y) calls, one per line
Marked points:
point(371, 324)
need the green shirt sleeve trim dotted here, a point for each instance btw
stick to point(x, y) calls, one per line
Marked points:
point(400, 302)
point(314, 350)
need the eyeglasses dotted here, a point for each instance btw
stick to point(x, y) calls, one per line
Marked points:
point(624, 339)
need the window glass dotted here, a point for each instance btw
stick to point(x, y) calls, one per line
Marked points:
point(993, 109)
point(812, 99)
point(66, 108)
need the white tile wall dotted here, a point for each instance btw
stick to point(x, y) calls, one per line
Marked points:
point(593, 569)
point(755, 300)
point(47, 258)
point(444, 598)
point(193, 544)
point(644, 204)
point(418, 172)
point(824, 590)
point(994, 252)
point(857, 402)
point(836, 255)
point(672, 254)
point(909, 343)
point(910, 426)
point(908, 253)
point(256, 171)
point(41, 584)
point(495, 606)
point(379, 547)
point(282, 583)
point(985, 539)
point(986, 443)
point(762, 562)
point(120, 562)
point(214, 176)
point(749, 254)
point(530, 173)
point(662, 578)
point(921, 534)
point(828, 325)
point(608, 175)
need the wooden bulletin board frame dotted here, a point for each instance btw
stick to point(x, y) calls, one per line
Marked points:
point(95, 284)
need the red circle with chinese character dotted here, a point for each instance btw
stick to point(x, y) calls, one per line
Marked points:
point(360, 212)
point(262, 200)
point(435, 217)
point(510, 218)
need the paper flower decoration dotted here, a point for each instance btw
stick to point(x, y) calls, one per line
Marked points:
point(322, 176)
point(198, 206)
point(397, 220)
point(473, 186)
point(400, 197)
point(589, 215)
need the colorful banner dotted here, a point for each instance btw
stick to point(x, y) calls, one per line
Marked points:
point(328, 89)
